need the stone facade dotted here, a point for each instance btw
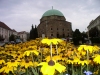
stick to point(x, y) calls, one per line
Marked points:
point(54, 26)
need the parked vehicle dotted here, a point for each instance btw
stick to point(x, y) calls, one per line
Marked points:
point(18, 41)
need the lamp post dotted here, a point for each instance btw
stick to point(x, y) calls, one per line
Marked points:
point(88, 34)
point(87, 30)
point(46, 29)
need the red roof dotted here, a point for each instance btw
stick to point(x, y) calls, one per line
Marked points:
point(3, 25)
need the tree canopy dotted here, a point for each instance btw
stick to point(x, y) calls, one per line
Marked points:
point(33, 32)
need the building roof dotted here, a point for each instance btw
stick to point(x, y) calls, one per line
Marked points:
point(22, 32)
point(14, 30)
point(93, 21)
point(3, 25)
point(52, 12)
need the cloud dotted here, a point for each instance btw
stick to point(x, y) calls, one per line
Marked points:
point(20, 15)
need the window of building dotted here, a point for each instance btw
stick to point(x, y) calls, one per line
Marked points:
point(63, 35)
point(51, 34)
point(57, 35)
point(68, 35)
point(57, 28)
point(51, 28)
point(63, 29)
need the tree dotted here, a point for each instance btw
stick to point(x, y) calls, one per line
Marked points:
point(12, 38)
point(77, 36)
point(35, 32)
point(84, 35)
point(32, 33)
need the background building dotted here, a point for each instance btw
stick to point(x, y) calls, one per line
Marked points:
point(94, 28)
point(6, 32)
point(23, 35)
point(94, 23)
point(54, 24)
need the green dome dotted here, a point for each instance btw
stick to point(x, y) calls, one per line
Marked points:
point(52, 12)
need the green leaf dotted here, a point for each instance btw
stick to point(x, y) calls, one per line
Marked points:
point(34, 72)
point(21, 72)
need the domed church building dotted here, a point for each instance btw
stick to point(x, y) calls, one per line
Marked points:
point(53, 24)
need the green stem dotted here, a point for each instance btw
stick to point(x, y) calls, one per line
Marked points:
point(81, 70)
point(51, 50)
point(61, 73)
point(41, 54)
point(32, 57)
point(33, 61)
point(87, 60)
point(27, 71)
point(57, 50)
point(67, 67)
point(72, 69)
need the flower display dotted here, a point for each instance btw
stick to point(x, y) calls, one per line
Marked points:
point(49, 57)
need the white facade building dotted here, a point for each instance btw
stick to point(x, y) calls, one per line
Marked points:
point(23, 35)
point(94, 23)
point(14, 32)
point(6, 32)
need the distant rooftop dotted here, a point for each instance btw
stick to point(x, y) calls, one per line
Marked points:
point(3, 25)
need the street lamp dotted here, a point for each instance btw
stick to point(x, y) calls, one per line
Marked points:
point(87, 31)
point(46, 29)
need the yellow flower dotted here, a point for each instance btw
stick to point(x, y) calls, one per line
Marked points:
point(83, 62)
point(56, 57)
point(26, 64)
point(2, 61)
point(49, 41)
point(96, 48)
point(6, 69)
point(44, 41)
point(81, 47)
point(90, 48)
point(70, 61)
point(56, 41)
point(76, 60)
point(32, 47)
point(86, 47)
point(27, 53)
point(13, 63)
point(48, 68)
point(97, 59)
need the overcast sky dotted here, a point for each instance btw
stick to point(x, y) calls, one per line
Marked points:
point(21, 14)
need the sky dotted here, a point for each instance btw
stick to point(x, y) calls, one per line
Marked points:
point(21, 14)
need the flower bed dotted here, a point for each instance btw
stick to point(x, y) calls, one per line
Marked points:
point(49, 57)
